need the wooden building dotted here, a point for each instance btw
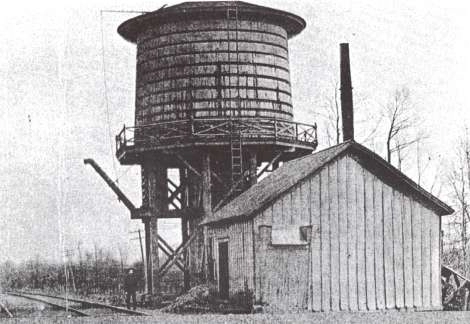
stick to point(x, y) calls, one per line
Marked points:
point(340, 229)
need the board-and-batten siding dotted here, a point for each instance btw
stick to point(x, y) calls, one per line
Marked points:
point(240, 254)
point(372, 247)
point(283, 272)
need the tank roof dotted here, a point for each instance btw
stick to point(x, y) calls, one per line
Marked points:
point(130, 29)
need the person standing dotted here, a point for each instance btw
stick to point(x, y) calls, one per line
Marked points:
point(130, 287)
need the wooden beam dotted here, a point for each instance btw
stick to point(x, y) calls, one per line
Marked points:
point(114, 187)
point(165, 244)
point(186, 163)
point(219, 179)
point(252, 167)
point(184, 236)
point(172, 183)
point(465, 300)
point(169, 255)
point(175, 205)
point(273, 161)
point(184, 229)
point(171, 260)
point(148, 256)
point(231, 191)
point(454, 293)
point(175, 193)
point(157, 192)
point(6, 310)
point(206, 185)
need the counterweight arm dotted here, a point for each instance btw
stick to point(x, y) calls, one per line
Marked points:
point(114, 187)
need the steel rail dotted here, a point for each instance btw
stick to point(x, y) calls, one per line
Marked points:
point(66, 308)
point(93, 303)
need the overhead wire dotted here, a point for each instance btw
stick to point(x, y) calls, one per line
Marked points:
point(123, 174)
point(105, 84)
point(106, 97)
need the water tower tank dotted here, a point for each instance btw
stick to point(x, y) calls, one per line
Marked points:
point(208, 70)
point(212, 59)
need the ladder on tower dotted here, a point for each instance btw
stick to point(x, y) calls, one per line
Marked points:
point(236, 154)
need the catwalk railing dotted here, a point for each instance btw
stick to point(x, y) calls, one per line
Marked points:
point(216, 131)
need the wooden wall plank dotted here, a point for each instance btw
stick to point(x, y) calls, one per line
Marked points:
point(398, 248)
point(343, 234)
point(435, 271)
point(277, 213)
point(361, 239)
point(417, 264)
point(408, 252)
point(379, 245)
point(316, 272)
point(305, 205)
point(440, 260)
point(287, 209)
point(240, 241)
point(369, 224)
point(388, 247)
point(351, 188)
point(297, 206)
point(334, 231)
point(258, 257)
point(305, 215)
point(426, 257)
point(325, 242)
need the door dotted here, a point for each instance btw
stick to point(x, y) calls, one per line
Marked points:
point(223, 270)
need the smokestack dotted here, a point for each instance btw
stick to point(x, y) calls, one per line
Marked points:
point(346, 94)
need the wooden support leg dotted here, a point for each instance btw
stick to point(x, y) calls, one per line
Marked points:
point(207, 211)
point(157, 203)
point(193, 202)
point(465, 301)
point(154, 251)
point(206, 185)
point(184, 227)
point(185, 236)
point(149, 257)
point(252, 165)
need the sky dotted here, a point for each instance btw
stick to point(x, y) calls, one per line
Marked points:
point(67, 83)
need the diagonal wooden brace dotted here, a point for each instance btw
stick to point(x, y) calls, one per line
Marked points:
point(167, 246)
point(274, 160)
point(455, 292)
point(169, 255)
point(171, 260)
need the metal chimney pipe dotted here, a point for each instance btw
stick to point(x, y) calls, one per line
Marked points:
point(346, 94)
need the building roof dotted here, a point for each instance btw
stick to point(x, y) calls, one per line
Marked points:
point(291, 173)
point(131, 28)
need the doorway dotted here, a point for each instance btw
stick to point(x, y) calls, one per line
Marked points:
point(223, 270)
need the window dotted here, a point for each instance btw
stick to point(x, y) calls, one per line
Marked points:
point(290, 235)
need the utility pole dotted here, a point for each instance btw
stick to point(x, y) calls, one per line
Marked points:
point(96, 267)
point(141, 253)
point(81, 278)
point(68, 255)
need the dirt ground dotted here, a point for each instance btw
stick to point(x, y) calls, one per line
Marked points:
point(340, 317)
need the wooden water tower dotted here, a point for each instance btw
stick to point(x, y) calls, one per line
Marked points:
point(213, 100)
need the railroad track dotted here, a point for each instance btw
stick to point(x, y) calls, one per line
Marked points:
point(79, 307)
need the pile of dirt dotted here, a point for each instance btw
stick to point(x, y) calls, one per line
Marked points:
point(199, 299)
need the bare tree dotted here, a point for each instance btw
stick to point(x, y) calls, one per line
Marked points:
point(328, 114)
point(459, 181)
point(401, 132)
